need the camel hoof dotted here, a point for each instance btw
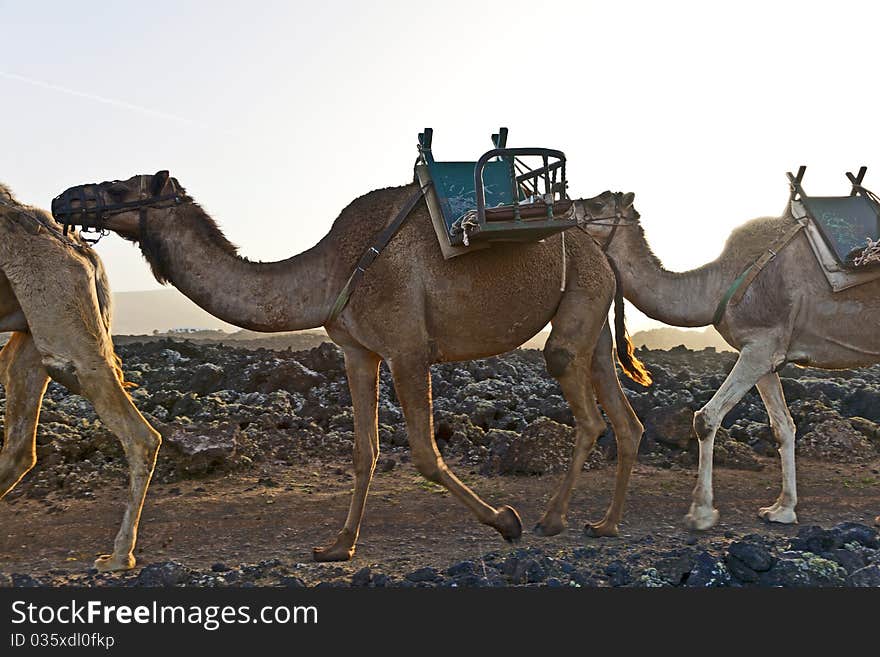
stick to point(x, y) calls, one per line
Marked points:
point(342, 549)
point(549, 527)
point(508, 524)
point(601, 529)
point(781, 515)
point(701, 519)
point(108, 563)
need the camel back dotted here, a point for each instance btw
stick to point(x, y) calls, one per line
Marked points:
point(502, 197)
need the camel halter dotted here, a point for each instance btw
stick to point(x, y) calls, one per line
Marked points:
point(92, 211)
point(584, 218)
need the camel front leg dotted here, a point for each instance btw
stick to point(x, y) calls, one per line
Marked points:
point(22, 373)
point(412, 381)
point(362, 369)
point(753, 363)
point(782, 424)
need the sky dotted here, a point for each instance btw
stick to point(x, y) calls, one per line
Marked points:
point(275, 115)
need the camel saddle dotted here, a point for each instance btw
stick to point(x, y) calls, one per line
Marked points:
point(841, 230)
point(502, 197)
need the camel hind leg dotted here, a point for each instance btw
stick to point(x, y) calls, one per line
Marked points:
point(628, 431)
point(22, 373)
point(412, 381)
point(782, 424)
point(101, 385)
point(569, 354)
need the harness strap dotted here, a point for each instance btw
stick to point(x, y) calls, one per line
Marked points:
point(373, 252)
point(739, 286)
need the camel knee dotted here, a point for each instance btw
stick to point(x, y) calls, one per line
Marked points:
point(558, 360)
point(628, 446)
point(63, 371)
point(428, 464)
point(703, 426)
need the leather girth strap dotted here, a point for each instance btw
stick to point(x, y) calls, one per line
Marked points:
point(382, 240)
point(739, 286)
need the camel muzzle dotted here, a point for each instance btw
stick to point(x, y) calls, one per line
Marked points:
point(85, 205)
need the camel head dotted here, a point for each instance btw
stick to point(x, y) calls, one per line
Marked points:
point(605, 213)
point(118, 205)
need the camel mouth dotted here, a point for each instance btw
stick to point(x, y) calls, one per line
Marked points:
point(81, 205)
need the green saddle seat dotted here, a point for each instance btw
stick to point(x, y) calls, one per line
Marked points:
point(845, 223)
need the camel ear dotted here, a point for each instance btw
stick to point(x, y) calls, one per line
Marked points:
point(160, 179)
point(627, 200)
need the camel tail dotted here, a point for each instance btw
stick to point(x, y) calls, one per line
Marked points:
point(632, 366)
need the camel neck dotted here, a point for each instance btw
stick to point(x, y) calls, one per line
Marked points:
point(686, 298)
point(286, 295)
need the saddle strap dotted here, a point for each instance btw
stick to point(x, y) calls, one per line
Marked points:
point(370, 255)
point(739, 286)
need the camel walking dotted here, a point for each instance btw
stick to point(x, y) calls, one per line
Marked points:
point(788, 314)
point(55, 300)
point(412, 308)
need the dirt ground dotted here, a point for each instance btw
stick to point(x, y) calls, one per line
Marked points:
point(283, 511)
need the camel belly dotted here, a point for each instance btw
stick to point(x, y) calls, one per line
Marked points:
point(838, 333)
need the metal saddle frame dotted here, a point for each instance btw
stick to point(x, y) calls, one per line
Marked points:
point(498, 198)
point(843, 222)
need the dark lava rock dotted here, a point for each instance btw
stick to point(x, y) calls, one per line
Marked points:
point(288, 375)
point(426, 574)
point(201, 449)
point(675, 566)
point(756, 557)
point(673, 425)
point(220, 568)
point(618, 574)
point(867, 576)
point(836, 440)
point(362, 577)
point(740, 571)
point(25, 581)
point(544, 447)
point(817, 540)
point(292, 582)
point(169, 573)
point(206, 378)
point(708, 571)
point(461, 568)
point(854, 532)
point(850, 560)
point(803, 569)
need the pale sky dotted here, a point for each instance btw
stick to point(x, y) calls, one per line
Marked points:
point(275, 115)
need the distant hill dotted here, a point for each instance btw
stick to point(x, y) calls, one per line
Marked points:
point(668, 337)
point(143, 312)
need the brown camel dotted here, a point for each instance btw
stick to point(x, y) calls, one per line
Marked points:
point(412, 308)
point(55, 299)
point(788, 314)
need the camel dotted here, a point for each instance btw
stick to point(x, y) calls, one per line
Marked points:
point(55, 300)
point(411, 308)
point(788, 314)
